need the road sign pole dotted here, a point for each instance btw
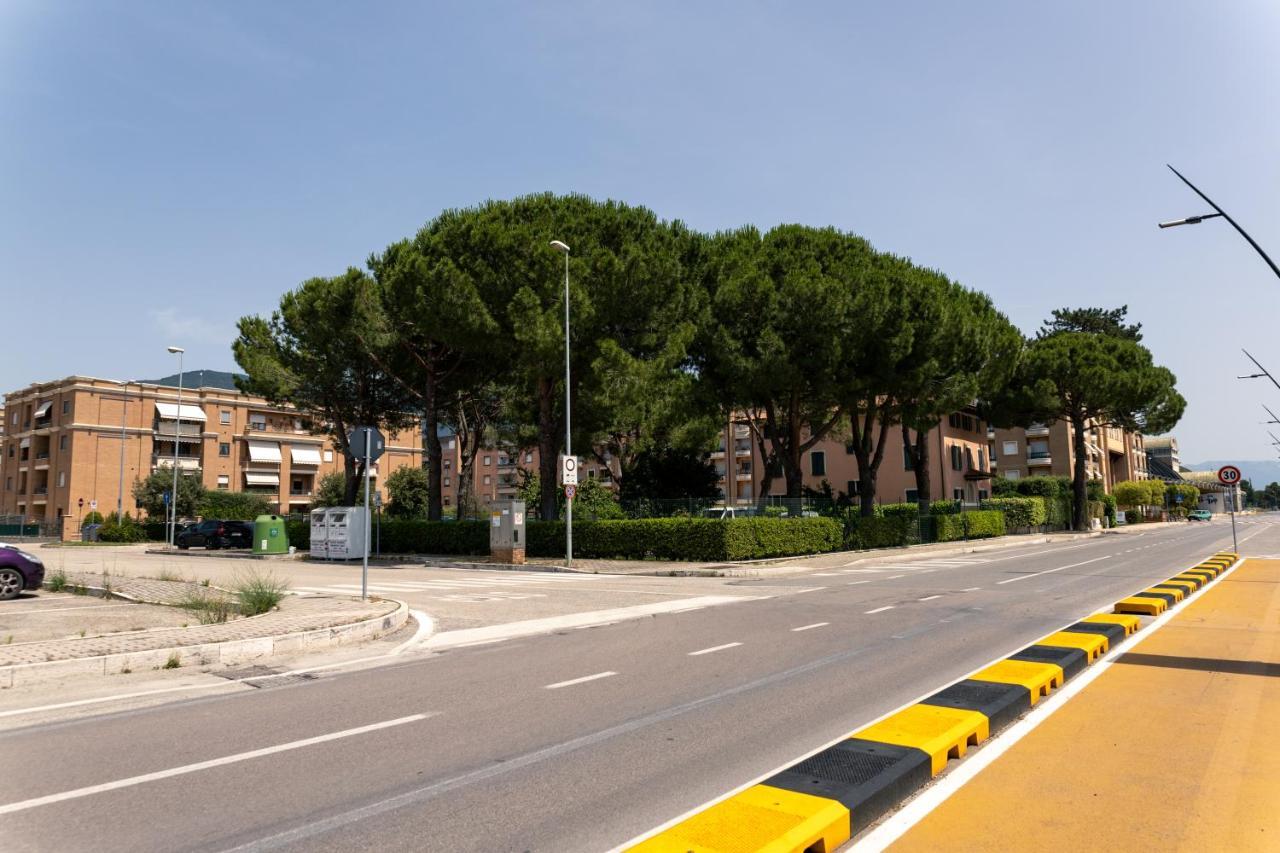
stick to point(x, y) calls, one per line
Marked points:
point(1235, 493)
point(364, 569)
point(1229, 476)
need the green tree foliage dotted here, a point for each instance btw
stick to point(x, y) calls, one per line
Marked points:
point(311, 354)
point(962, 350)
point(666, 473)
point(236, 506)
point(1130, 493)
point(1089, 378)
point(781, 326)
point(632, 304)
point(410, 488)
point(1098, 321)
point(149, 492)
point(1271, 495)
point(593, 500)
point(332, 491)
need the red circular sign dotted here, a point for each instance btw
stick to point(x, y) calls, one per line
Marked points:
point(1229, 475)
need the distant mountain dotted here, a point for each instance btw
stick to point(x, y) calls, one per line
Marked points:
point(1259, 472)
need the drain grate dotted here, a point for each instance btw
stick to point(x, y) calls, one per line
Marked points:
point(264, 676)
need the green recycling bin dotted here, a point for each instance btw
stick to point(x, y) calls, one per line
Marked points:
point(269, 536)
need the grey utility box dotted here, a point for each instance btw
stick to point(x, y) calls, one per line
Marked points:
point(506, 532)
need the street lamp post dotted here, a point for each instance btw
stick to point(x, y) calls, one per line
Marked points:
point(568, 504)
point(1196, 220)
point(124, 411)
point(177, 429)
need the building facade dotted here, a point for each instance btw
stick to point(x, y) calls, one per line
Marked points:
point(1112, 454)
point(80, 443)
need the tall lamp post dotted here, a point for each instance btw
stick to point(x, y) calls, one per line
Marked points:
point(177, 430)
point(1196, 220)
point(124, 412)
point(568, 504)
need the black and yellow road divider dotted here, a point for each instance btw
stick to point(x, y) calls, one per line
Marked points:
point(819, 803)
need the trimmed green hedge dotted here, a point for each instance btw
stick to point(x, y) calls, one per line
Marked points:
point(1020, 511)
point(982, 524)
point(707, 539)
point(892, 530)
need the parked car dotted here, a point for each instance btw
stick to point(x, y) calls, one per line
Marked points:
point(19, 570)
point(213, 534)
point(1199, 515)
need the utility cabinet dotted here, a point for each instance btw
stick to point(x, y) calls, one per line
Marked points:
point(506, 532)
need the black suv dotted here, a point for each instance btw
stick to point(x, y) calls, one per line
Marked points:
point(213, 534)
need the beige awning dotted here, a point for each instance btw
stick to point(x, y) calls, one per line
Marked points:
point(43, 409)
point(261, 478)
point(304, 455)
point(264, 451)
point(171, 412)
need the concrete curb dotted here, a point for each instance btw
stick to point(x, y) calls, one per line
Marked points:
point(836, 792)
point(230, 651)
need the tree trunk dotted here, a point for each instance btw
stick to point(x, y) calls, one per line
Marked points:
point(434, 456)
point(919, 453)
point(548, 505)
point(1079, 479)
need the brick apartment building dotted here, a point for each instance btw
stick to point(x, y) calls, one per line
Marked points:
point(67, 441)
point(1113, 454)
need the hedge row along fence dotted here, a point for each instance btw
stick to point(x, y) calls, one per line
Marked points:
point(705, 539)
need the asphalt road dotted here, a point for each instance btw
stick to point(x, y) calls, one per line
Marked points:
point(577, 740)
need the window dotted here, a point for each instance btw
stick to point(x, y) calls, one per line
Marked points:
point(957, 460)
point(62, 442)
point(224, 417)
point(62, 479)
point(913, 496)
point(258, 422)
point(907, 463)
point(957, 494)
point(818, 463)
point(853, 488)
point(8, 484)
point(591, 474)
point(488, 460)
point(66, 407)
point(968, 458)
point(224, 448)
point(528, 457)
point(446, 500)
point(983, 494)
point(487, 479)
point(446, 481)
point(328, 456)
point(1010, 448)
point(224, 481)
point(982, 459)
point(1012, 474)
point(953, 420)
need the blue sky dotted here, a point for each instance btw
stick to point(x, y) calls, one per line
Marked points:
point(168, 167)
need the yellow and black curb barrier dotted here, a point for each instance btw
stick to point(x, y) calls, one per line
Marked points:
point(818, 803)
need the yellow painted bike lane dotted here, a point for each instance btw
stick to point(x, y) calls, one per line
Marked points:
point(1175, 747)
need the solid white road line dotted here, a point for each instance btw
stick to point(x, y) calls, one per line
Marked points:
point(426, 627)
point(806, 589)
point(574, 681)
point(814, 625)
point(56, 609)
point(971, 589)
point(929, 598)
point(855, 583)
point(895, 577)
point(1051, 571)
point(713, 649)
point(129, 782)
point(879, 609)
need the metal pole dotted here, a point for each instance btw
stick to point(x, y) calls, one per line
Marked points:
point(1227, 217)
point(568, 529)
point(124, 412)
point(177, 430)
point(1235, 492)
point(364, 571)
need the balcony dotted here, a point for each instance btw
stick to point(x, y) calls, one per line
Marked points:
point(1038, 429)
point(1039, 457)
point(185, 463)
point(717, 454)
point(181, 429)
point(743, 476)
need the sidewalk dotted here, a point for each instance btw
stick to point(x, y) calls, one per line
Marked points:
point(1171, 748)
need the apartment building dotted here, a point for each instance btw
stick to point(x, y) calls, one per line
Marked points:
point(495, 473)
point(958, 464)
point(1112, 454)
point(81, 442)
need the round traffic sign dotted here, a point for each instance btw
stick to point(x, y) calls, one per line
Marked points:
point(570, 491)
point(1229, 475)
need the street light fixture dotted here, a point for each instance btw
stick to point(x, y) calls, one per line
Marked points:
point(1259, 375)
point(1196, 220)
point(563, 248)
point(1274, 419)
point(177, 429)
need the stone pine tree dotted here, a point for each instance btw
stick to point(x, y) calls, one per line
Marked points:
point(1090, 375)
point(781, 313)
point(964, 350)
point(310, 354)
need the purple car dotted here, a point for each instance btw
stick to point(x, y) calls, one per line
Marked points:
point(19, 570)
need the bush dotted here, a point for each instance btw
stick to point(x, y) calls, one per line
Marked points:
point(688, 538)
point(92, 517)
point(1133, 517)
point(410, 490)
point(1109, 510)
point(233, 506)
point(415, 536)
point(1095, 509)
point(121, 530)
point(892, 530)
point(1020, 512)
point(1045, 487)
point(903, 510)
point(1003, 487)
point(981, 524)
point(945, 507)
point(259, 592)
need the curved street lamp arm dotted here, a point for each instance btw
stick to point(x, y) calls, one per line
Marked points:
point(1227, 217)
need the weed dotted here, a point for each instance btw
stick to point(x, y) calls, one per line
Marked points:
point(124, 670)
point(204, 582)
point(173, 662)
point(259, 592)
point(8, 639)
point(82, 632)
point(79, 589)
point(166, 575)
point(209, 609)
point(57, 581)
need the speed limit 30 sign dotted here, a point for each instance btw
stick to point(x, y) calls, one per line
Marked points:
point(1229, 475)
